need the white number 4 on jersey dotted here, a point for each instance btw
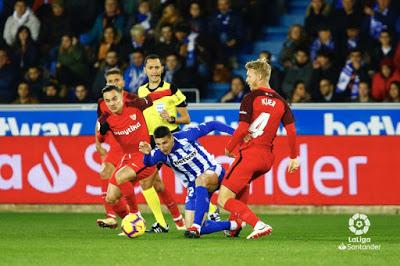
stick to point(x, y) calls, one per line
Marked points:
point(257, 127)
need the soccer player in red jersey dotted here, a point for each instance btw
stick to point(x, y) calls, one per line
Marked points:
point(150, 186)
point(261, 112)
point(125, 120)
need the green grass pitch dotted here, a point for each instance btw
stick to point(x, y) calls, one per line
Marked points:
point(74, 239)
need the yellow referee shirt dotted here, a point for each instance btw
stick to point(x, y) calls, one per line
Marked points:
point(168, 103)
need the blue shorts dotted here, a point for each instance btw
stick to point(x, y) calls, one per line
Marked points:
point(190, 202)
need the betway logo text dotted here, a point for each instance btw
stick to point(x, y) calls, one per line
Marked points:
point(130, 129)
point(10, 125)
point(377, 125)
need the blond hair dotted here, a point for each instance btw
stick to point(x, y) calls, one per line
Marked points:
point(261, 66)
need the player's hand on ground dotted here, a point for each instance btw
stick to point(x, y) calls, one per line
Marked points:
point(293, 165)
point(229, 154)
point(144, 147)
point(164, 115)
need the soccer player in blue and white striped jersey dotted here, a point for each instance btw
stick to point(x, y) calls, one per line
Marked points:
point(197, 169)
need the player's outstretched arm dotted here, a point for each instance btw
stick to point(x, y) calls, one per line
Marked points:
point(193, 133)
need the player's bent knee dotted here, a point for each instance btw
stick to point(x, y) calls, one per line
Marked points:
point(110, 199)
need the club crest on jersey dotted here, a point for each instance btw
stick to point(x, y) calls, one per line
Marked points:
point(268, 102)
point(133, 117)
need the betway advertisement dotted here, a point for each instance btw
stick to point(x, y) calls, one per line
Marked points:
point(335, 170)
point(370, 121)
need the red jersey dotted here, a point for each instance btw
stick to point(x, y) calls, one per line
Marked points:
point(129, 128)
point(264, 109)
point(261, 112)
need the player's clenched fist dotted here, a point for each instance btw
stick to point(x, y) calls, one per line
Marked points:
point(144, 147)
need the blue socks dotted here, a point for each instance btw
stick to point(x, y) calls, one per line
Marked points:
point(202, 204)
point(210, 227)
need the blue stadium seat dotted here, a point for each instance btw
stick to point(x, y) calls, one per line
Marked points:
point(288, 20)
point(240, 72)
point(273, 46)
point(275, 33)
point(243, 58)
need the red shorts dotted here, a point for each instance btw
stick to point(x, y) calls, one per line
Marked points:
point(135, 161)
point(252, 162)
point(114, 156)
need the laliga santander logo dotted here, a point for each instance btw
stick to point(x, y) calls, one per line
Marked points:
point(359, 224)
point(62, 177)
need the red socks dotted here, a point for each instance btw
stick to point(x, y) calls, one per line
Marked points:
point(168, 200)
point(109, 210)
point(236, 206)
point(128, 192)
point(121, 208)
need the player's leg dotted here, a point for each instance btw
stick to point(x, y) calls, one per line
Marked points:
point(237, 178)
point(152, 199)
point(106, 171)
point(167, 198)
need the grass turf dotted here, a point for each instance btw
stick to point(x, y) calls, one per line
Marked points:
point(74, 239)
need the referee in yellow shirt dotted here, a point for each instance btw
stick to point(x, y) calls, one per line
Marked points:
point(164, 112)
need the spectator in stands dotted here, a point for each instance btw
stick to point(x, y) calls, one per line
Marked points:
point(54, 26)
point(167, 43)
point(236, 92)
point(352, 39)
point(221, 73)
point(352, 73)
point(364, 93)
point(51, 91)
point(394, 93)
point(34, 77)
point(227, 27)
point(142, 17)
point(186, 45)
point(72, 66)
point(317, 13)
point(109, 41)
point(197, 22)
point(138, 40)
point(301, 70)
point(134, 75)
point(341, 17)
point(26, 53)
point(396, 57)
point(22, 16)
point(84, 12)
point(383, 50)
point(8, 77)
point(170, 15)
point(111, 61)
point(176, 74)
point(81, 95)
point(296, 38)
point(276, 75)
point(323, 68)
point(111, 17)
point(326, 92)
point(299, 93)
point(382, 80)
point(380, 17)
point(24, 95)
point(323, 41)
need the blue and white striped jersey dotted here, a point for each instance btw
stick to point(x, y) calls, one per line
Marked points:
point(188, 158)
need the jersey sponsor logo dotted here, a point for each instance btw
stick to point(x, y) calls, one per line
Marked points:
point(11, 126)
point(60, 177)
point(185, 159)
point(268, 102)
point(129, 130)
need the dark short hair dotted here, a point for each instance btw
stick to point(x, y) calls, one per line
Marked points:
point(151, 56)
point(161, 132)
point(108, 88)
point(112, 71)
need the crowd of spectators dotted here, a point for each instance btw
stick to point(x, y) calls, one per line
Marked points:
point(347, 50)
point(57, 51)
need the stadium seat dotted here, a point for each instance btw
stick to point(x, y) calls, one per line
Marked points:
point(273, 46)
point(275, 33)
point(288, 20)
